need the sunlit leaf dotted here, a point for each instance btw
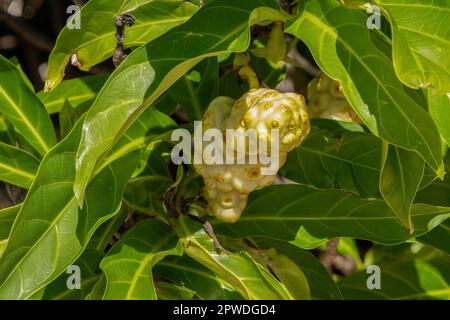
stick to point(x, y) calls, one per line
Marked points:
point(51, 217)
point(128, 266)
point(346, 50)
point(279, 211)
point(400, 178)
point(79, 92)
point(23, 109)
point(155, 67)
point(421, 45)
point(17, 167)
point(95, 42)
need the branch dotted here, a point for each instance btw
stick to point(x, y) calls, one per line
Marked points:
point(296, 59)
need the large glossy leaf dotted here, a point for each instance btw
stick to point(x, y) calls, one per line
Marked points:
point(437, 194)
point(90, 273)
point(155, 67)
point(400, 178)
point(348, 51)
point(238, 269)
point(57, 229)
point(23, 109)
point(196, 89)
point(95, 41)
point(320, 282)
point(283, 267)
point(7, 216)
point(128, 266)
point(350, 161)
point(415, 280)
point(279, 211)
point(190, 273)
point(420, 43)
point(79, 91)
point(17, 167)
point(439, 108)
point(439, 237)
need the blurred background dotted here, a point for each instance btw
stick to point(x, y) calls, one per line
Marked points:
point(28, 31)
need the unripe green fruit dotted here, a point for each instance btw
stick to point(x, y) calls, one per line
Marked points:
point(227, 186)
point(327, 100)
point(276, 45)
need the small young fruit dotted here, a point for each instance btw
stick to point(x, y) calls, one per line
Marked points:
point(276, 45)
point(327, 100)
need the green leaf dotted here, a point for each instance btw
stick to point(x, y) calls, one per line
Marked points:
point(320, 282)
point(128, 266)
point(438, 237)
point(98, 290)
point(281, 266)
point(68, 117)
point(304, 240)
point(104, 234)
point(420, 44)
point(270, 73)
point(169, 291)
point(412, 280)
point(17, 167)
point(7, 216)
point(95, 42)
point(90, 273)
point(196, 89)
point(51, 218)
point(144, 193)
point(78, 92)
point(245, 275)
point(154, 67)
point(439, 108)
point(437, 193)
point(193, 275)
point(346, 50)
point(23, 109)
point(401, 174)
point(350, 161)
point(326, 214)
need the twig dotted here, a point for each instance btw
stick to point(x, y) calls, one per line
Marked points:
point(209, 231)
point(120, 22)
point(295, 58)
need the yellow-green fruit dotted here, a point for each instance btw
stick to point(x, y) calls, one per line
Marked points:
point(265, 109)
point(227, 186)
point(327, 100)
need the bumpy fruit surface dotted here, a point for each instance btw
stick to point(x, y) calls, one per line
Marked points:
point(327, 101)
point(227, 186)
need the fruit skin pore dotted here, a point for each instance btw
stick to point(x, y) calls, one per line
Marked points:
point(327, 100)
point(227, 186)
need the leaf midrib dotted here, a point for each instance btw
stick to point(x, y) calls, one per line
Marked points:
point(326, 29)
point(28, 124)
